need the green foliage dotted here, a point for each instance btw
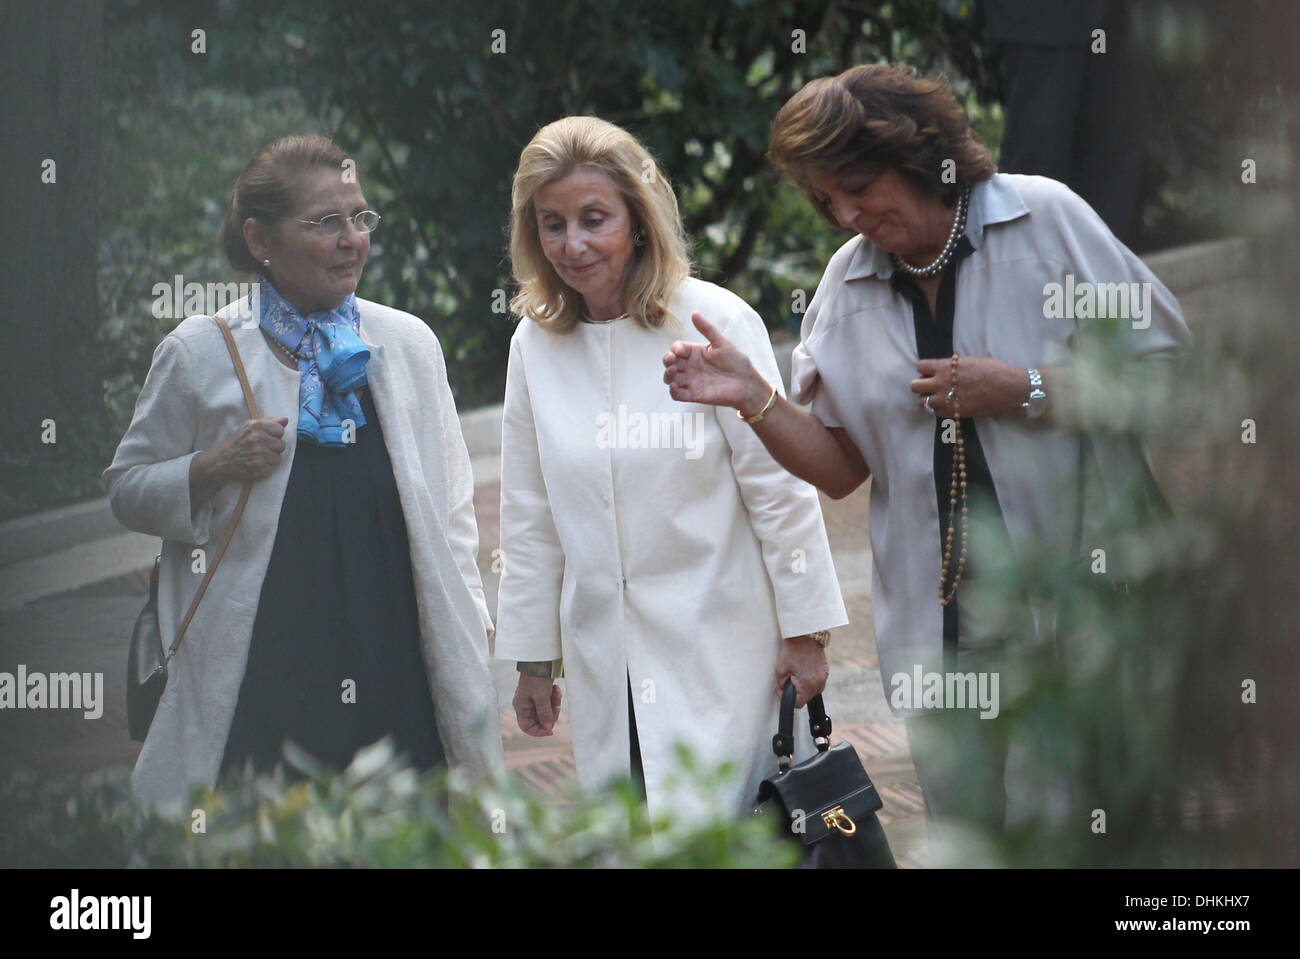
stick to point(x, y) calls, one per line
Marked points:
point(436, 121)
point(376, 813)
point(90, 822)
point(1127, 699)
point(45, 475)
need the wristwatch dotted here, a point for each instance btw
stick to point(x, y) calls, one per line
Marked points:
point(1037, 401)
point(822, 637)
point(542, 668)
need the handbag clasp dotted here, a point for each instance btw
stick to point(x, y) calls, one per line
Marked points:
point(837, 818)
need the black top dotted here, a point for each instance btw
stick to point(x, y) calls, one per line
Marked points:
point(337, 605)
point(934, 340)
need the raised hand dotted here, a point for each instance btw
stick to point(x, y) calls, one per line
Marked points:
point(715, 372)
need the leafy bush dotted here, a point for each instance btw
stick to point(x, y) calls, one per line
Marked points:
point(377, 813)
point(1143, 742)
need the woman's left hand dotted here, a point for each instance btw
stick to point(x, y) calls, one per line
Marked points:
point(984, 386)
point(803, 662)
point(537, 705)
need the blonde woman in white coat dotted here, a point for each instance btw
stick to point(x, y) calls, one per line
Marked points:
point(654, 547)
point(348, 605)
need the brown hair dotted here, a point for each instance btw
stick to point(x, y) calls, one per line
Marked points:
point(878, 117)
point(267, 189)
point(657, 267)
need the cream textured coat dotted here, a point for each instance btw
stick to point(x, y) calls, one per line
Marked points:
point(655, 543)
point(190, 400)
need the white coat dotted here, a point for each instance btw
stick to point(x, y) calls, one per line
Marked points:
point(658, 543)
point(190, 400)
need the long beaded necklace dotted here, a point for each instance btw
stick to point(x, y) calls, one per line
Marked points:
point(941, 261)
point(958, 482)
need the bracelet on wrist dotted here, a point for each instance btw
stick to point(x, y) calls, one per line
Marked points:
point(757, 417)
point(541, 668)
point(822, 637)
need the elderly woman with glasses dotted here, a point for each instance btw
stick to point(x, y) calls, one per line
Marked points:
point(348, 606)
point(655, 548)
point(937, 363)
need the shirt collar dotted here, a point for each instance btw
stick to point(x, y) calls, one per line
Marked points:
point(992, 201)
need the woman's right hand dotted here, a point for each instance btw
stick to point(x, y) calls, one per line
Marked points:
point(716, 372)
point(252, 452)
point(537, 705)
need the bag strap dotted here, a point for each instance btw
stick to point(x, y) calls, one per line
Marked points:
point(239, 368)
point(819, 724)
point(243, 495)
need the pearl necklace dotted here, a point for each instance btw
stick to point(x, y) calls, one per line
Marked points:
point(285, 350)
point(958, 227)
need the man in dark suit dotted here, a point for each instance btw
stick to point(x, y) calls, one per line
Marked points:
point(1074, 113)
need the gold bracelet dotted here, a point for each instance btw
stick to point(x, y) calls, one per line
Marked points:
point(751, 420)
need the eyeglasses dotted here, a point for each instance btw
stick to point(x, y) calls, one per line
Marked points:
point(332, 225)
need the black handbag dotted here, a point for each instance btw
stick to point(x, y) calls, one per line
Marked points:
point(826, 803)
point(146, 660)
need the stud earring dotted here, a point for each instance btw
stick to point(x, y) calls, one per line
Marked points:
point(266, 262)
point(638, 238)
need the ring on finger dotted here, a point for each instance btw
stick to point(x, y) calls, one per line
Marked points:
point(952, 395)
point(926, 403)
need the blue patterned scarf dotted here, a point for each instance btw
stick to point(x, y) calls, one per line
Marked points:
point(331, 358)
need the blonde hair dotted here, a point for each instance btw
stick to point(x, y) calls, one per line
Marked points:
point(657, 267)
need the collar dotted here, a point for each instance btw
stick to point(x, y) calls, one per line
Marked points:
point(994, 200)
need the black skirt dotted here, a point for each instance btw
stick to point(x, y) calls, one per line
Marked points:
point(335, 659)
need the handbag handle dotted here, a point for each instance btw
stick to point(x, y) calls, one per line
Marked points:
point(243, 495)
point(819, 724)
